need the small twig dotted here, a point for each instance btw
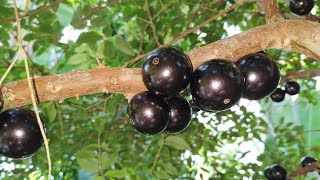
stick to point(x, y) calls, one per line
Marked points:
point(158, 154)
point(142, 37)
point(189, 31)
point(32, 13)
point(151, 24)
point(301, 75)
point(22, 51)
point(9, 68)
point(194, 14)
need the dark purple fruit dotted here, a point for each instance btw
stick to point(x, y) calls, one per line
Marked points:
point(278, 172)
point(306, 161)
point(292, 87)
point(148, 113)
point(217, 85)
point(180, 114)
point(167, 71)
point(20, 134)
point(261, 74)
point(267, 172)
point(278, 95)
point(301, 7)
point(1, 101)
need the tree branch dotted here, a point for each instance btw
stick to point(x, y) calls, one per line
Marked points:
point(301, 75)
point(189, 31)
point(271, 11)
point(297, 35)
point(32, 13)
point(303, 171)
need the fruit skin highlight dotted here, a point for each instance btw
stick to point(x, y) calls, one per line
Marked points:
point(261, 74)
point(180, 114)
point(148, 113)
point(167, 71)
point(292, 88)
point(301, 7)
point(217, 85)
point(20, 134)
point(278, 95)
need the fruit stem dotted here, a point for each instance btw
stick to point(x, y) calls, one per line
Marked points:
point(25, 57)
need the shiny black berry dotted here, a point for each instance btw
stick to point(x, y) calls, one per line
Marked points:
point(277, 172)
point(180, 114)
point(292, 87)
point(278, 95)
point(261, 74)
point(148, 113)
point(306, 161)
point(267, 172)
point(167, 71)
point(217, 85)
point(301, 7)
point(1, 101)
point(20, 134)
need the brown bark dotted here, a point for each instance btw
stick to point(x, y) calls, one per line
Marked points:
point(297, 35)
point(271, 11)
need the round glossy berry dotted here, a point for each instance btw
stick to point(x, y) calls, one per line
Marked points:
point(167, 71)
point(307, 161)
point(180, 114)
point(292, 87)
point(261, 74)
point(20, 134)
point(148, 113)
point(278, 172)
point(217, 85)
point(267, 172)
point(301, 7)
point(278, 95)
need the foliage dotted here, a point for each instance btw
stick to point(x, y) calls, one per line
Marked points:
point(90, 137)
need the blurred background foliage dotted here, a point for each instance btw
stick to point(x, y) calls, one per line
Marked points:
point(90, 137)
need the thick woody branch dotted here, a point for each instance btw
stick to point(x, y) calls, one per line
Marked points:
point(297, 35)
point(271, 11)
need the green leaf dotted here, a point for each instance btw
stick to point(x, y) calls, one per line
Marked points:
point(89, 164)
point(51, 112)
point(177, 142)
point(64, 14)
point(124, 46)
point(79, 59)
point(99, 125)
point(107, 30)
point(89, 37)
point(169, 168)
point(115, 173)
point(163, 175)
point(107, 160)
point(98, 178)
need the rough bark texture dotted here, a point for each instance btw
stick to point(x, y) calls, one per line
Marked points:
point(297, 35)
